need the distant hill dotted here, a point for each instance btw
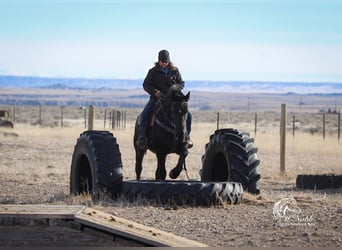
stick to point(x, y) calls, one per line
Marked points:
point(65, 83)
point(212, 86)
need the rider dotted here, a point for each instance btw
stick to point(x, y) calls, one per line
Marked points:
point(157, 83)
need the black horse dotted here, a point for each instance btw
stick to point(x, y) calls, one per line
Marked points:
point(166, 134)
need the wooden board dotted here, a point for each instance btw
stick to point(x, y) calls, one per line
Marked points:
point(94, 220)
point(39, 211)
point(125, 228)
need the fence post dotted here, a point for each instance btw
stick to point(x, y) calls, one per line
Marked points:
point(105, 116)
point(125, 119)
point(122, 119)
point(255, 123)
point(62, 117)
point(323, 125)
point(85, 116)
point(110, 122)
point(118, 119)
point(282, 138)
point(293, 125)
point(218, 120)
point(339, 125)
point(14, 113)
point(113, 119)
point(91, 117)
point(40, 115)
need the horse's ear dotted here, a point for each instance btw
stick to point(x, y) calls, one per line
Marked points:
point(187, 96)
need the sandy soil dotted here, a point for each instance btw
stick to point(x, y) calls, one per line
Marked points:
point(35, 168)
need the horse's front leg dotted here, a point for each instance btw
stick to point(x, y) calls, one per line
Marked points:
point(161, 170)
point(174, 173)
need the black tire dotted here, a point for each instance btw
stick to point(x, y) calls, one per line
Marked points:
point(183, 192)
point(231, 155)
point(319, 181)
point(96, 164)
point(6, 124)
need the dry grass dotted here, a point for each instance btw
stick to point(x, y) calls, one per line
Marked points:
point(35, 168)
point(45, 150)
point(305, 154)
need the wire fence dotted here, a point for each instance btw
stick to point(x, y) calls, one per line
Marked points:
point(63, 116)
point(314, 123)
point(324, 123)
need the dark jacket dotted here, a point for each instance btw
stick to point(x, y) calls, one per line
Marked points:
point(156, 79)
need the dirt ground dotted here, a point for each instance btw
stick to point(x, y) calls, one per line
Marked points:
point(35, 169)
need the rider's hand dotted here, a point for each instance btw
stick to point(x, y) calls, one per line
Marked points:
point(176, 87)
point(159, 94)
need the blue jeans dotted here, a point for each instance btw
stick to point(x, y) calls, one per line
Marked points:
point(147, 113)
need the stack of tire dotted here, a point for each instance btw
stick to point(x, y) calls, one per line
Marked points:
point(229, 166)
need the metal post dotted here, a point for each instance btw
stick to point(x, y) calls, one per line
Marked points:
point(62, 117)
point(118, 119)
point(293, 125)
point(218, 120)
point(339, 125)
point(323, 125)
point(14, 113)
point(255, 123)
point(40, 115)
point(105, 116)
point(125, 119)
point(113, 119)
point(282, 138)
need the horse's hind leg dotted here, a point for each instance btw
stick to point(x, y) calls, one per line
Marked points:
point(139, 156)
point(161, 171)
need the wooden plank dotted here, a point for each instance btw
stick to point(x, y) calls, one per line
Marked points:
point(39, 211)
point(128, 229)
point(99, 220)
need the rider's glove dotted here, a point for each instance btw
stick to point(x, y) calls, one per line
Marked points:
point(176, 87)
point(159, 94)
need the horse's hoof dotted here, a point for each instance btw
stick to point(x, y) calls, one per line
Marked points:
point(174, 173)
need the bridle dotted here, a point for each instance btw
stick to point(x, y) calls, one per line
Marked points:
point(170, 127)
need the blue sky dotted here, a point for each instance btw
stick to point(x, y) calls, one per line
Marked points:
point(261, 40)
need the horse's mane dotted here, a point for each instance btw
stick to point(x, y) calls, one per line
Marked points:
point(174, 94)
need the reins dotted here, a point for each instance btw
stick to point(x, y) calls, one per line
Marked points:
point(171, 129)
point(186, 171)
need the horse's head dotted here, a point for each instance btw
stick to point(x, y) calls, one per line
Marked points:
point(174, 109)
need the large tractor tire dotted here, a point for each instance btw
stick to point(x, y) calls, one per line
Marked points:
point(230, 155)
point(96, 165)
point(319, 181)
point(183, 192)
